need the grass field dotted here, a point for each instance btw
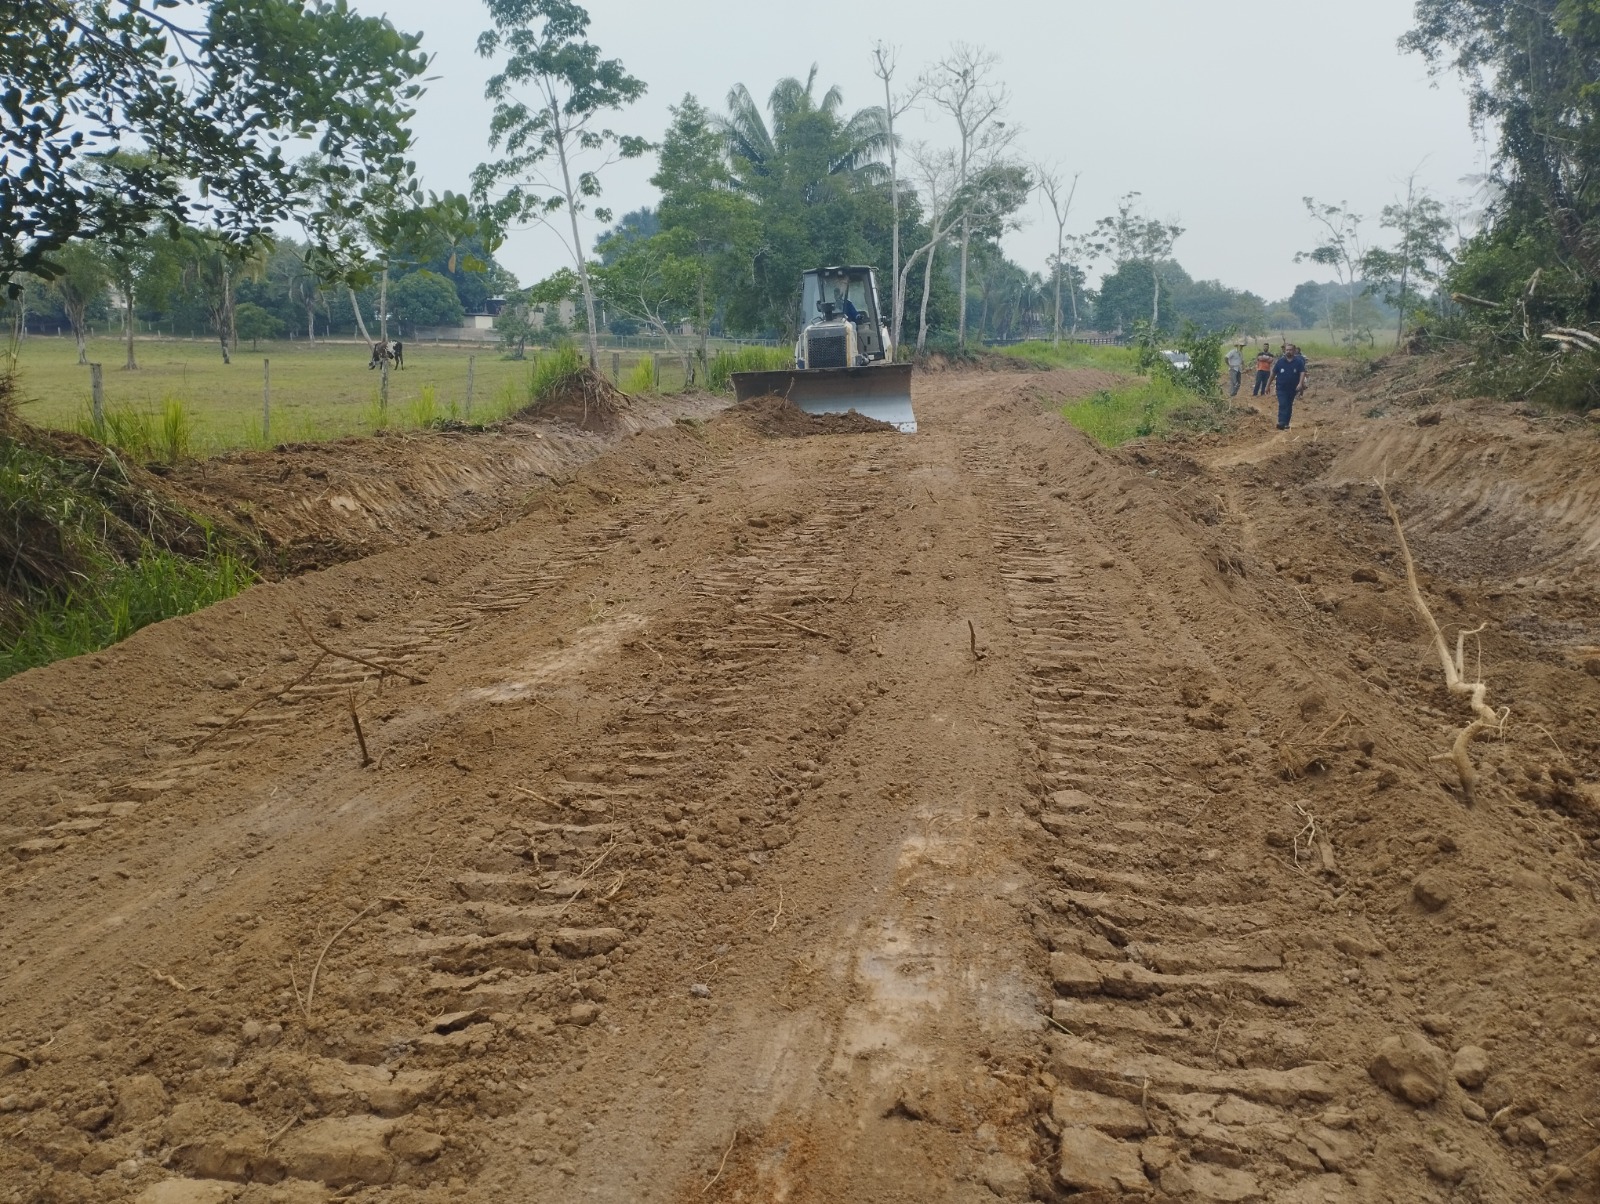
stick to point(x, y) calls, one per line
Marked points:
point(183, 394)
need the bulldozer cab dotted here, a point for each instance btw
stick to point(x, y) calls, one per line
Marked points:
point(850, 294)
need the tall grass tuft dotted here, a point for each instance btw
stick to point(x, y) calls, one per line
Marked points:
point(553, 370)
point(423, 411)
point(175, 430)
point(641, 378)
point(745, 359)
point(115, 600)
point(145, 437)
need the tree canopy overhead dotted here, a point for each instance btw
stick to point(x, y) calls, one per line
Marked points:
point(212, 104)
point(1533, 68)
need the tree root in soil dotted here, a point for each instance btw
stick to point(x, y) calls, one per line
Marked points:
point(1486, 718)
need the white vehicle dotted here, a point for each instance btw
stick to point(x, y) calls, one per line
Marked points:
point(1178, 359)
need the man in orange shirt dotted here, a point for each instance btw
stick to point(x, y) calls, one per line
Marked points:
point(1263, 371)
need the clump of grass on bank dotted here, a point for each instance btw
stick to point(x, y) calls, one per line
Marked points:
point(163, 436)
point(1140, 408)
point(554, 370)
point(115, 600)
point(1044, 356)
point(724, 364)
point(93, 548)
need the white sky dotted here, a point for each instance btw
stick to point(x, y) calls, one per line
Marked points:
point(1222, 115)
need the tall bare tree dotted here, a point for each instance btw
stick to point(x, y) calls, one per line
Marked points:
point(1059, 192)
point(938, 173)
point(1342, 248)
point(883, 66)
point(963, 85)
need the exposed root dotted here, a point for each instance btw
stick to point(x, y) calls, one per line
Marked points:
point(361, 739)
point(761, 614)
point(1486, 719)
point(723, 1165)
point(360, 660)
point(311, 987)
point(168, 980)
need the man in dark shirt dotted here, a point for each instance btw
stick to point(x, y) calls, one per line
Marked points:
point(1289, 373)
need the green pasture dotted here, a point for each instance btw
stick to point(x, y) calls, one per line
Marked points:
point(183, 400)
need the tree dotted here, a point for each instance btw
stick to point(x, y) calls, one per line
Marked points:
point(939, 172)
point(1128, 293)
point(1132, 236)
point(1530, 69)
point(571, 86)
point(962, 85)
point(1078, 251)
point(218, 102)
point(1341, 249)
point(652, 284)
point(212, 265)
point(883, 66)
point(81, 279)
point(814, 178)
point(425, 298)
point(302, 287)
point(1421, 224)
point(255, 323)
point(711, 225)
point(1058, 192)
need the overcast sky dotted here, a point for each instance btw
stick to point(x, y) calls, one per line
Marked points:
point(1222, 115)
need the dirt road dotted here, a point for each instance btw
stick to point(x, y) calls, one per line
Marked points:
point(860, 818)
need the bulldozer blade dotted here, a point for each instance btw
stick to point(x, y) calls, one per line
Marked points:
point(882, 392)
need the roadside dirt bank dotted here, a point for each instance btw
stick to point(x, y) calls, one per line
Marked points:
point(316, 504)
point(964, 816)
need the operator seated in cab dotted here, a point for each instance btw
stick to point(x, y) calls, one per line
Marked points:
point(847, 306)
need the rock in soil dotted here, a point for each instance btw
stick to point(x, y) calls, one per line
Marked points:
point(1409, 1066)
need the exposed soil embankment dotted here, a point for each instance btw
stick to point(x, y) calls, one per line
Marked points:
point(317, 504)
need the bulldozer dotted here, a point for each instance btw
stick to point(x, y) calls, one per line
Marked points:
point(843, 359)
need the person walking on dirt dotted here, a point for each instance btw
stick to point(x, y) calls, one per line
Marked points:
point(1263, 371)
point(1289, 373)
point(1235, 368)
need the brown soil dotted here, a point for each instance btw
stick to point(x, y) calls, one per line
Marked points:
point(316, 504)
point(963, 816)
point(779, 416)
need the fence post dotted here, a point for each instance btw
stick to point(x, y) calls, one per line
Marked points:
point(383, 393)
point(97, 391)
point(616, 367)
point(655, 369)
point(470, 360)
point(266, 402)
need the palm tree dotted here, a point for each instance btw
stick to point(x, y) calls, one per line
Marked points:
point(806, 168)
point(852, 145)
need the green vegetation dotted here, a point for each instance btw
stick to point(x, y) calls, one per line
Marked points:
point(93, 551)
point(320, 391)
point(1140, 408)
point(745, 359)
point(641, 379)
point(553, 370)
point(1527, 285)
point(115, 600)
